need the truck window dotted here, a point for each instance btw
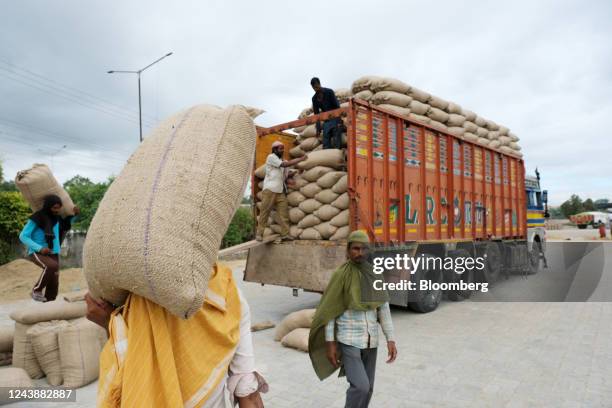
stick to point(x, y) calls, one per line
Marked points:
point(539, 199)
point(531, 199)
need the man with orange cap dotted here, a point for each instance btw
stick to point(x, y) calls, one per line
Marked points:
point(275, 190)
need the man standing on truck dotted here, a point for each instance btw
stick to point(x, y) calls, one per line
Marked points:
point(325, 100)
point(275, 190)
point(344, 330)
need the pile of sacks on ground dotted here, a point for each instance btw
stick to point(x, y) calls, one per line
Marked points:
point(423, 107)
point(293, 331)
point(54, 340)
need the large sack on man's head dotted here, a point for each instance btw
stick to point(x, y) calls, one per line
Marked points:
point(171, 204)
point(36, 183)
point(295, 320)
point(333, 158)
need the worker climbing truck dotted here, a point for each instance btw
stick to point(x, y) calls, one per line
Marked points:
point(417, 190)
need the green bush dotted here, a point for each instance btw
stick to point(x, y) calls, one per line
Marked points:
point(87, 196)
point(241, 228)
point(14, 213)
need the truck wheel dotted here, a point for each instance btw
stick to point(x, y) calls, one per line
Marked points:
point(452, 277)
point(582, 226)
point(425, 301)
point(492, 262)
point(534, 258)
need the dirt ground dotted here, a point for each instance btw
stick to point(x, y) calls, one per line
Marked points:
point(18, 277)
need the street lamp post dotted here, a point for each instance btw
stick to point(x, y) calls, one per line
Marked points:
point(139, 93)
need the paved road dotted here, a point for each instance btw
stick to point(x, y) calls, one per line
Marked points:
point(469, 354)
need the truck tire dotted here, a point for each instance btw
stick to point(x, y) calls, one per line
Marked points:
point(535, 263)
point(451, 277)
point(493, 262)
point(582, 226)
point(425, 301)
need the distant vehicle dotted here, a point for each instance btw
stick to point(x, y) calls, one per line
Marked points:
point(593, 218)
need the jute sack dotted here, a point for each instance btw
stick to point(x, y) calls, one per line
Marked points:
point(310, 131)
point(299, 129)
point(43, 336)
point(341, 185)
point(295, 198)
point(260, 185)
point(483, 141)
point(479, 121)
point(195, 166)
point(260, 172)
point(55, 310)
point(310, 233)
point(396, 109)
point(470, 127)
point(267, 232)
point(305, 112)
point(297, 339)
point(341, 219)
point(23, 353)
point(6, 338)
point(389, 84)
point(469, 115)
point(438, 103)
point(365, 95)
point(494, 135)
point(439, 126)
point(326, 196)
point(259, 195)
point(77, 296)
point(333, 158)
point(309, 144)
point(481, 132)
point(454, 108)
point(295, 231)
point(326, 212)
point(507, 150)
point(310, 190)
point(491, 125)
point(503, 131)
point(419, 95)
point(419, 108)
point(515, 146)
point(341, 233)
point(437, 115)
point(310, 205)
point(295, 320)
point(513, 137)
point(12, 377)
point(6, 358)
point(363, 83)
point(455, 120)
point(276, 228)
point(505, 140)
point(296, 152)
point(80, 344)
point(295, 215)
point(342, 202)
point(470, 137)
point(391, 98)
point(494, 144)
point(331, 178)
point(309, 221)
point(326, 229)
point(299, 182)
point(37, 182)
point(419, 118)
point(315, 173)
point(457, 131)
point(343, 93)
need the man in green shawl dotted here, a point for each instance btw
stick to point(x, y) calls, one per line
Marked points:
point(344, 330)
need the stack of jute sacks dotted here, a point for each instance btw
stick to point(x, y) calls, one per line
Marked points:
point(6, 345)
point(318, 200)
point(293, 331)
point(158, 229)
point(55, 340)
point(423, 107)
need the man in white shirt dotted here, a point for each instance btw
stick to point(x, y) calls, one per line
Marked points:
point(275, 190)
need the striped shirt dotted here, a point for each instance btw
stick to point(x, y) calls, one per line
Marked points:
point(360, 328)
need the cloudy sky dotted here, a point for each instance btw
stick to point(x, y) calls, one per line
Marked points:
point(544, 69)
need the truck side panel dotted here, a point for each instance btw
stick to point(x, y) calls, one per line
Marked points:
point(410, 182)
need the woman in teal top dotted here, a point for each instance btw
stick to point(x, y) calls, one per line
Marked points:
point(43, 235)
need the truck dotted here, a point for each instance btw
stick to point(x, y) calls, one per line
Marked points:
point(417, 190)
point(592, 218)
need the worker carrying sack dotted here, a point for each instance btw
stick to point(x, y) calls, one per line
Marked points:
point(160, 224)
point(36, 183)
